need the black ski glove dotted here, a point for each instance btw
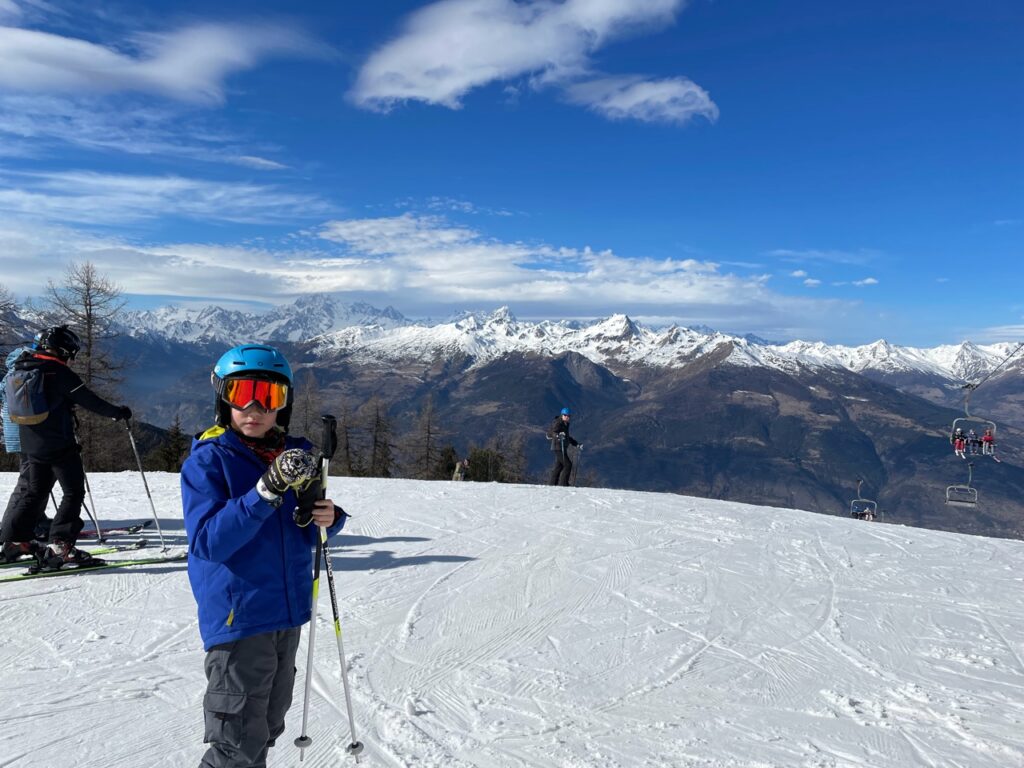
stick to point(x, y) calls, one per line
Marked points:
point(307, 497)
point(303, 514)
point(124, 413)
point(295, 468)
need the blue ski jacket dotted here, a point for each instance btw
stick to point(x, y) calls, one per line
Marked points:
point(249, 564)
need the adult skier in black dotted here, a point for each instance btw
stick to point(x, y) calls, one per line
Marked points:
point(560, 439)
point(52, 454)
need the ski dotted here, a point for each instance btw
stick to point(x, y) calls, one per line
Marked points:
point(133, 528)
point(106, 565)
point(92, 551)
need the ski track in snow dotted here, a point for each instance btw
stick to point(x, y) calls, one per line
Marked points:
point(504, 626)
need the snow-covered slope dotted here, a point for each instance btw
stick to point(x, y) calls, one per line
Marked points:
point(371, 335)
point(519, 626)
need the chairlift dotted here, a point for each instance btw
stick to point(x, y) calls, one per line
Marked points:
point(863, 509)
point(964, 424)
point(963, 495)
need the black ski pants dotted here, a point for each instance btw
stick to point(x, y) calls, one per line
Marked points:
point(40, 475)
point(562, 470)
point(248, 692)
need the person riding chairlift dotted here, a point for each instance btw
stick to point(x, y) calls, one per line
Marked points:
point(959, 443)
point(988, 442)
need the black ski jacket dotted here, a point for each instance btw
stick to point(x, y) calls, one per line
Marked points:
point(64, 390)
point(557, 428)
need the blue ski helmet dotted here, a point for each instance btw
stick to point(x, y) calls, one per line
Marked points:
point(565, 412)
point(258, 361)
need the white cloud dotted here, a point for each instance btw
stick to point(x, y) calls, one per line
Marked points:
point(451, 47)
point(190, 64)
point(672, 100)
point(798, 273)
point(866, 281)
point(426, 262)
point(82, 197)
point(424, 265)
point(810, 282)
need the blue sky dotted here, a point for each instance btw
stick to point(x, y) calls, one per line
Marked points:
point(842, 172)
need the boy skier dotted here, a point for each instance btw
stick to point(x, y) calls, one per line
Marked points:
point(50, 453)
point(249, 493)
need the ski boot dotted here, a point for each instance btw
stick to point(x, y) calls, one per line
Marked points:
point(16, 550)
point(60, 554)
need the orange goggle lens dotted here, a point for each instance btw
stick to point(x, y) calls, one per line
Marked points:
point(241, 393)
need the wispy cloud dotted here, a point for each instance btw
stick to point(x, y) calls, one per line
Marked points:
point(190, 64)
point(811, 282)
point(259, 163)
point(865, 282)
point(996, 333)
point(9, 11)
point(442, 204)
point(452, 47)
point(35, 124)
point(1008, 222)
point(672, 100)
point(860, 256)
point(798, 273)
point(105, 199)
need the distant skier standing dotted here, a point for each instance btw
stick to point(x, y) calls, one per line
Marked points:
point(558, 434)
point(461, 468)
point(249, 493)
point(49, 447)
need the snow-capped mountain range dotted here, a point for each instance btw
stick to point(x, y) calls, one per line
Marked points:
point(307, 317)
point(369, 334)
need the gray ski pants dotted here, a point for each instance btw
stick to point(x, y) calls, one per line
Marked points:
point(248, 692)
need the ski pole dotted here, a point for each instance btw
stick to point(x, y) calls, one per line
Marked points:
point(355, 747)
point(304, 740)
point(576, 468)
point(91, 509)
point(138, 460)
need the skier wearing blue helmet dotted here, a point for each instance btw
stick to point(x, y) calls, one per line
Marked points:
point(250, 492)
point(560, 438)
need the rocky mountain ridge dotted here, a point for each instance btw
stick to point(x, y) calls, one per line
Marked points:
point(333, 327)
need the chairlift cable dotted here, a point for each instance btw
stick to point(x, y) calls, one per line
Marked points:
point(972, 387)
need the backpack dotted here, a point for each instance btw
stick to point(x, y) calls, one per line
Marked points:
point(25, 396)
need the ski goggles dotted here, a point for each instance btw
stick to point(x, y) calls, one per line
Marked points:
point(268, 395)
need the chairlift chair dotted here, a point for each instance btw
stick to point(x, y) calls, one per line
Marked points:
point(863, 509)
point(963, 495)
point(967, 422)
